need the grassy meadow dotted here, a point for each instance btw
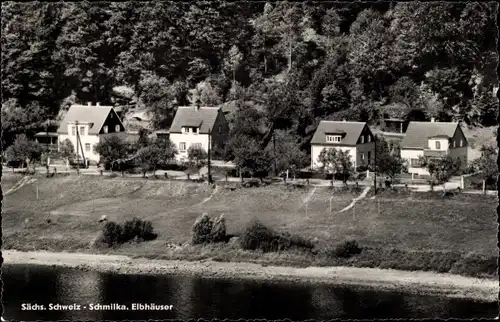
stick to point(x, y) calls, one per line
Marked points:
point(412, 231)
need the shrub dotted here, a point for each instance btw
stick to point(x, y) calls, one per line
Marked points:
point(256, 236)
point(112, 234)
point(202, 229)
point(347, 249)
point(138, 229)
point(218, 232)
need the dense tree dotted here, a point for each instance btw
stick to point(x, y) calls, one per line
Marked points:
point(197, 157)
point(337, 162)
point(388, 160)
point(293, 63)
point(67, 151)
point(24, 151)
point(486, 165)
point(286, 153)
point(440, 170)
point(113, 150)
point(160, 151)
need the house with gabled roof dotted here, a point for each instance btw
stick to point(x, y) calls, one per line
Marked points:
point(198, 126)
point(89, 123)
point(433, 140)
point(355, 137)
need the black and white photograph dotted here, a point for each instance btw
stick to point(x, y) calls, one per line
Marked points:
point(249, 160)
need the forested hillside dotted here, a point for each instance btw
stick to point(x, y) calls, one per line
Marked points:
point(283, 66)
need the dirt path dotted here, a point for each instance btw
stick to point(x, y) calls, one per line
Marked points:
point(425, 283)
point(21, 183)
point(211, 195)
point(361, 196)
point(308, 197)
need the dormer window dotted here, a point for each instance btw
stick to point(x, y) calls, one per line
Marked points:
point(184, 130)
point(333, 138)
point(195, 130)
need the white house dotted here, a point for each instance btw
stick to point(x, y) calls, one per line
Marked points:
point(90, 123)
point(434, 140)
point(196, 126)
point(355, 137)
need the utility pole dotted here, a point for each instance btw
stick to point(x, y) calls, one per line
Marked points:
point(77, 151)
point(209, 156)
point(375, 164)
point(274, 154)
point(47, 156)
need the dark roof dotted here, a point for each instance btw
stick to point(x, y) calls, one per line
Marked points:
point(96, 115)
point(352, 132)
point(418, 133)
point(204, 117)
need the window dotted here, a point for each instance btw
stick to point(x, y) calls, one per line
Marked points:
point(87, 147)
point(197, 145)
point(333, 138)
point(184, 130)
point(117, 128)
point(182, 147)
point(362, 139)
point(416, 163)
point(451, 144)
point(73, 130)
point(82, 130)
point(105, 129)
point(438, 145)
point(195, 130)
point(220, 129)
point(369, 138)
point(461, 143)
point(369, 156)
point(362, 158)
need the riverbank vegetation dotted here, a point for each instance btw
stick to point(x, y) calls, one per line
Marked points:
point(410, 231)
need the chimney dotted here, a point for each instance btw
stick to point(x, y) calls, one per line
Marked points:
point(89, 104)
point(433, 120)
point(98, 104)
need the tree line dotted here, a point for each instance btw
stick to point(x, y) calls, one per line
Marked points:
point(278, 68)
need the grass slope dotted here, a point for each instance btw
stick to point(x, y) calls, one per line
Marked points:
point(406, 231)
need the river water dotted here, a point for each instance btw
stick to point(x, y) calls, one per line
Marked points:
point(193, 297)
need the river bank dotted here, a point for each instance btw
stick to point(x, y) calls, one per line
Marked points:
point(423, 283)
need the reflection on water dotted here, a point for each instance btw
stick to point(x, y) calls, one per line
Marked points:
point(205, 298)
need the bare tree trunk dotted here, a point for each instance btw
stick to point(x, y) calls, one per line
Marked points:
point(241, 175)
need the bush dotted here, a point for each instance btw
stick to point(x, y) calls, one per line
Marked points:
point(257, 236)
point(218, 233)
point(112, 234)
point(138, 229)
point(202, 229)
point(347, 249)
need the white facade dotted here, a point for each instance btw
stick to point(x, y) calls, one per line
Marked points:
point(185, 140)
point(413, 154)
point(88, 142)
point(316, 150)
point(438, 144)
